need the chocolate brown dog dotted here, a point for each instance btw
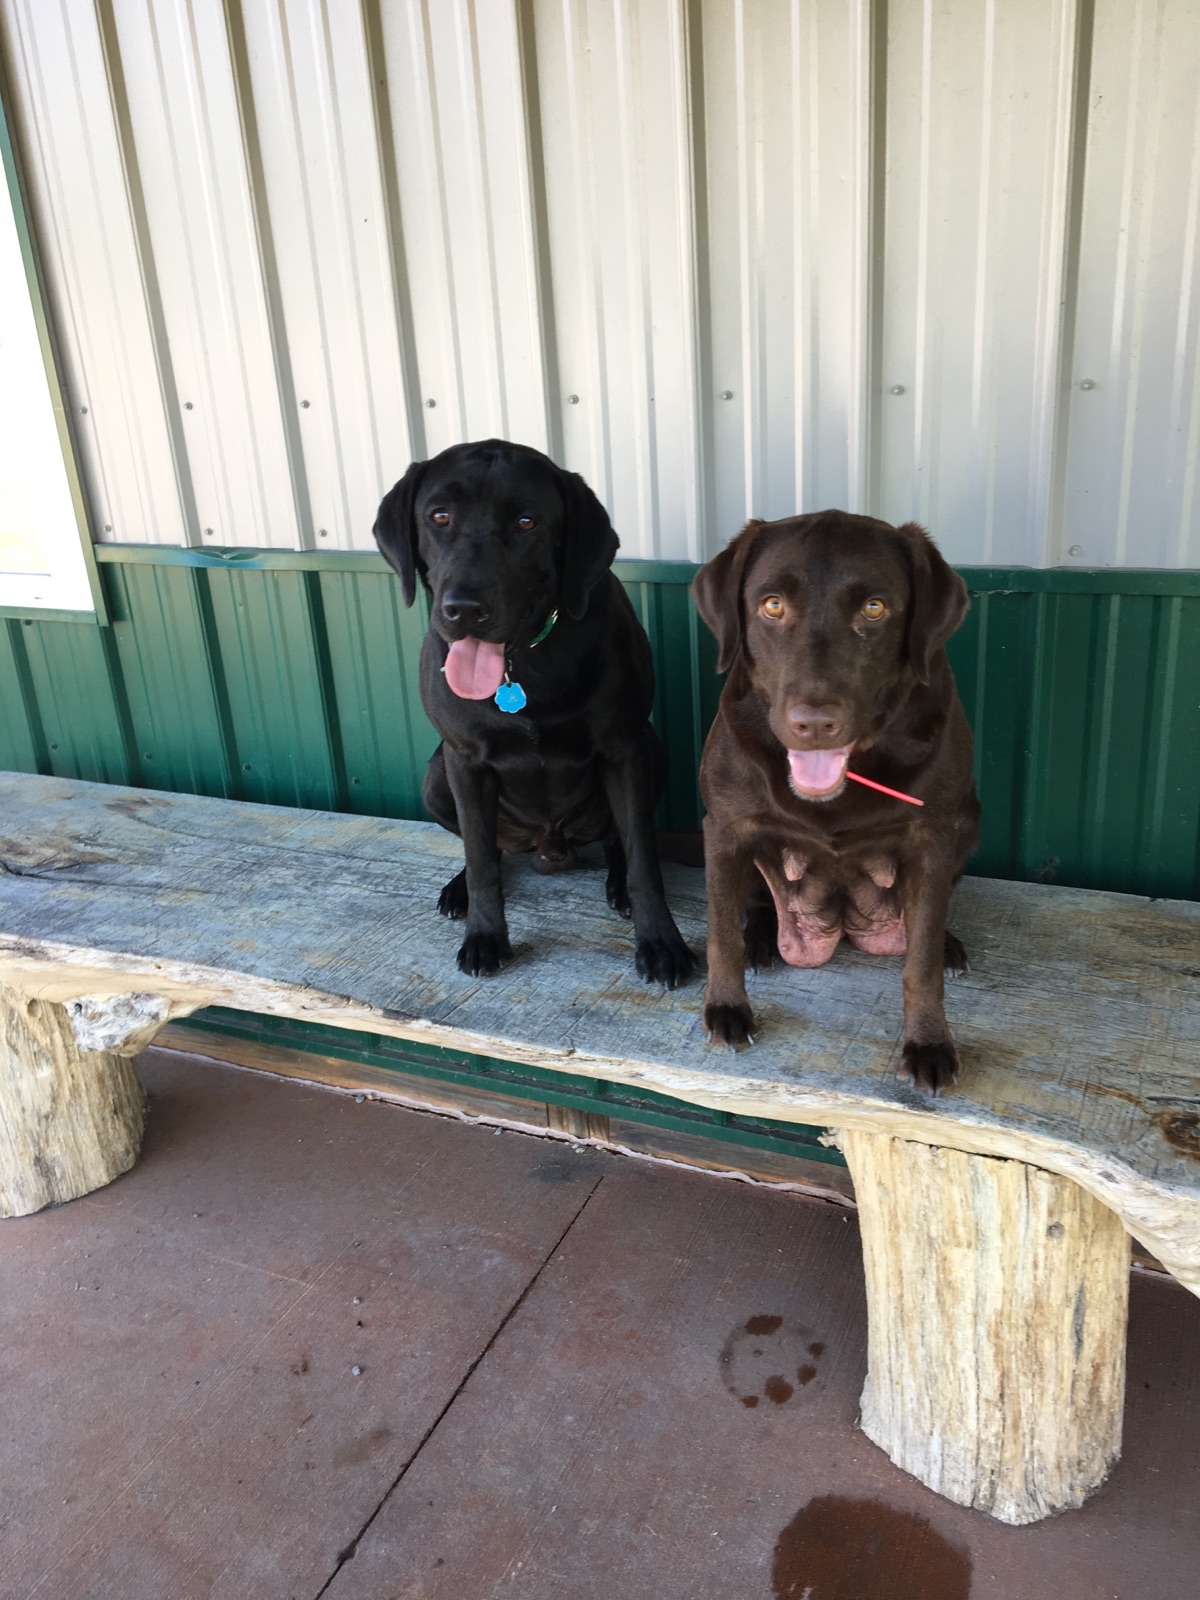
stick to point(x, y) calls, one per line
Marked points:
point(833, 627)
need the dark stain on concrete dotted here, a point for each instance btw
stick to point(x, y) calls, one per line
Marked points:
point(842, 1549)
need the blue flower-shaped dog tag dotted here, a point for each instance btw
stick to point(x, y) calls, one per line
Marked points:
point(510, 697)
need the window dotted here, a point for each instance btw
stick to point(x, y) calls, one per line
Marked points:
point(45, 556)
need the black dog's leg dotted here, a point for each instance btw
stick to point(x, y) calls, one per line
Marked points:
point(485, 947)
point(662, 955)
point(616, 884)
point(928, 1057)
point(439, 803)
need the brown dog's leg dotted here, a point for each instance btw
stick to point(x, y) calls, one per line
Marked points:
point(728, 1018)
point(929, 1057)
point(485, 946)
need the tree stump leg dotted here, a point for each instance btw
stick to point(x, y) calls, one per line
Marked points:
point(997, 1298)
point(70, 1121)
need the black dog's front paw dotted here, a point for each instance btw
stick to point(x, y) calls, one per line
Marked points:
point(955, 958)
point(665, 961)
point(762, 938)
point(729, 1025)
point(454, 900)
point(616, 892)
point(930, 1066)
point(483, 954)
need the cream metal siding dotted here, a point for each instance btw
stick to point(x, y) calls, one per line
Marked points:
point(724, 257)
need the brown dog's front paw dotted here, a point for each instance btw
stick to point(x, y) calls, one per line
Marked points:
point(729, 1025)
point(665, 961)
point(930, 1066)
point(483, 954)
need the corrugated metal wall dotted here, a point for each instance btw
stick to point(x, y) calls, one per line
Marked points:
point(722, 256)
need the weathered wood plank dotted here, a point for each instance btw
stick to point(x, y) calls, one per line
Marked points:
point(1078, 1026)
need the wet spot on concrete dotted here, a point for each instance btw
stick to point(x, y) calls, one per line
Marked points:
point(762, 1353)
point(355, 1451)
point(842, 1549)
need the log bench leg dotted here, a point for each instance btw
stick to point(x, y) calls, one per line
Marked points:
point(997, 1296)
point(70, 1121)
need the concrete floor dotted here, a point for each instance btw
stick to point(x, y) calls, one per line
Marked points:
point(578, 1375)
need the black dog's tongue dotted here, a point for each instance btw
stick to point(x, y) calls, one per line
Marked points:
point(475, 668)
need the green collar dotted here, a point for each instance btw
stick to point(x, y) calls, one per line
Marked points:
point(549, 623)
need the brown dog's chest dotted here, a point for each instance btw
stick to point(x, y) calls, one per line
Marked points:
point(818, 903)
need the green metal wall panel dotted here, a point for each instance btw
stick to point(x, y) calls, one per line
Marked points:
point(291, 677)
point(22, 749)
point(269, 631)
point(178, 706)
point(75, 677)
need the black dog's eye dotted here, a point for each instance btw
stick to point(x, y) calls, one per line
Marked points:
point(874, 611)
point(772, 606)
point(442, 518)
point(526, 523)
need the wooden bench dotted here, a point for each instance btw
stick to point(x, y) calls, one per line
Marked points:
point(993, 1219)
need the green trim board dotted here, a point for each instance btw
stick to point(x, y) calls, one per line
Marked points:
point(291, 677)
point(513, 1078)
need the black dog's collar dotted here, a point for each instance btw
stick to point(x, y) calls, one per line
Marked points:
point(511, 696)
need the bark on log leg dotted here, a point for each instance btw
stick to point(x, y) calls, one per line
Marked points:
point(997, 1298)
point(70, 1121)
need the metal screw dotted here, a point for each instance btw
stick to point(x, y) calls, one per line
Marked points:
point(430, 404)
point(147, 756)
point(54, 747)
point(108, 527)
point(897, 388)
point(322, 533)
point(726, 394)
point(572, 399)
point(1087, 383)
point(187, 405)
point(83, 411)
point(208, 532)
point(1075, 550)
point(357, 1371)
point(304, 405)
point(245, 766)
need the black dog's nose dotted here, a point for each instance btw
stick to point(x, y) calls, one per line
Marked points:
point(461, 608)
point(818, 723)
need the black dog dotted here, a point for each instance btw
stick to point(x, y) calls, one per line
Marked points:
point(834, 626)
point(537, 675)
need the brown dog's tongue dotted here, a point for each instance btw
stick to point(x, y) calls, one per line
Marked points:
point(818, 771)
point(475, 668)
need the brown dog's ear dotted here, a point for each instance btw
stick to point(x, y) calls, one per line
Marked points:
point(589, 544)
point(939, 603)
point(395, 530)
point(717, 591)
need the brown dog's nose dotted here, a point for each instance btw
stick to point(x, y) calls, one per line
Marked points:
point(822, 725)
point(461, 608)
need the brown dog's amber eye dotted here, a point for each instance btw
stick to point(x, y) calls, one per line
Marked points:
point(874, 611)
point(525, 523)
point(772, 607)
point(440, 517)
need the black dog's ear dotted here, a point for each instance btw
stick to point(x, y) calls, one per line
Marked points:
point(395, 530)
point(940, 600)
point(717, 591)
point(589, 544)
